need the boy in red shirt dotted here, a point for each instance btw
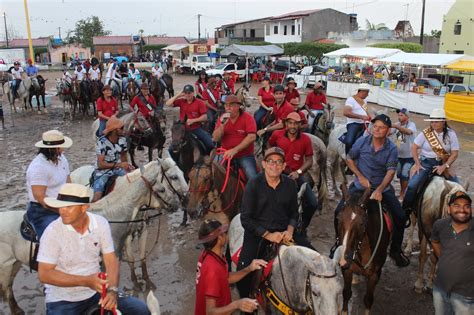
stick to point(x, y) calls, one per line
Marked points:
point(291, 93)
point(213, 278)
point(106, 108)
point(281, 109)
point(144, 102)
point(314, 103)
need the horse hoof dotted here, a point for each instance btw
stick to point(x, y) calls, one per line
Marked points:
point(39, 112)
point(428, 290)
point(137, 287)
point(419, 290)
point(150, 286)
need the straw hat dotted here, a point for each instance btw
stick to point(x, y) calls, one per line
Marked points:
point(112, 124)
point(54, 139)
point(69, 195)
point(437, 114)
point(232, 99)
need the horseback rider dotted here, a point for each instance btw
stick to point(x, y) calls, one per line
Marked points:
point(373, 160)
point(123, 72)
point(66, 77)
point(111, 71)
point(296, 106)
point(201, 84)
point(266, 99)
point(213, 278)
point(17, 73)
point(134, 74)
point(281, 109)
point(31, 70)
point(80, 73)
point(69, 257)
point(193, 112)
point(212, 98)
point(236, 131)
point(48, 171)
point(227, 86)
point(439, 149)
point(94, 73)
point(144, 102)
point(299, 158)
point(106, 107)
point(314, 105)
point(156, 71)
point(357, 114)
point(111, 150)
point(291, 93)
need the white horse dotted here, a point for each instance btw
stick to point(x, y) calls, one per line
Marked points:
point(434, 207)
point(65, 97)
point(318, 170)
point(336, 155)
point(23, 91)
point(122, 204)
point(313, 281)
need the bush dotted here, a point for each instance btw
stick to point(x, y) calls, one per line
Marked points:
point(310, 49)
point(405, 47)
point(153, 47)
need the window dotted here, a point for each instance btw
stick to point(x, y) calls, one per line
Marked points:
point(267, 30)
point(285, 30)
point(252, 33)
point(299, 29)
point(245, 33)
point(231, 33)
point(275, 29)
point(293, 29)
point(225, 33)
point(457, 28)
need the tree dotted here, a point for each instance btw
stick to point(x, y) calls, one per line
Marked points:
point(310, 49)
point(86, 29)
point(436, 33)
point(375, 27)
point(405, 47)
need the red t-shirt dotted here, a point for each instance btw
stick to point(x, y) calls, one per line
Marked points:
point(212, 280)
point(194, 110)
point(303, 117)
point(230, 84)
point(267, 97)
point(291, 95)
point(295, 150)
point(315, 101)
point(217, 96)
point(137, 100)
point(107, 108)
point(234, 133)
point(282, 111)
point(199, 85)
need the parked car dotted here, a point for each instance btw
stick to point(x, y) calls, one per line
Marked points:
point(456, 87)
point(311, 73)
point(282, 65)
point(429, 83)
point(223, 67)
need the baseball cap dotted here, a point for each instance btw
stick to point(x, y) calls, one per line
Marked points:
point(293, 116)
point(274, 150)
point(383, 118)
point(232, 99)
point(188, 88)
point(279, 88)
point(403, 111)
point(457, 195)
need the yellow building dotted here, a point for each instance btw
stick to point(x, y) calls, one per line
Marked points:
point(457, 36)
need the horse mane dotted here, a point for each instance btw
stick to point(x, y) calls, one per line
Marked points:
point(314, 261)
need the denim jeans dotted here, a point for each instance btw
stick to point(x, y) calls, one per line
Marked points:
point(392, 205)
point(126, 305)
point(354, 131)
point(100, 131)
point(259, 114)
point(205, 137)
point(15, 85)
point(103, 176)
point(40, 217)
point(211, 119)
point(403, 168)
point(310, 202)
point(452, 303)
point(246, 163)
point(124, 84)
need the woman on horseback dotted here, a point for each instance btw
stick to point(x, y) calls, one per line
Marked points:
point(266, 101)
point(201, 84)
point(106, 107)
point(291, 93)
point(48, 171)
point(314, 104)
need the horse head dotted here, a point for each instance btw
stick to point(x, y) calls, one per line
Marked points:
point(243, 94)
point(173, 179)
point(200, 183)
point(178, 135)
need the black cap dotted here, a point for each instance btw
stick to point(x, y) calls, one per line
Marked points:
point(188, 88)
point(267, 79)
point(383, 118)
point(403, 111)
point(278, 88)
point(457, 195)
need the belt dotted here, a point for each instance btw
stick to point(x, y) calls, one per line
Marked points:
point(427, 158)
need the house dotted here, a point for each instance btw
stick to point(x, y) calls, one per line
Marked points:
point(308, 25)
point(41, 48)
point(62, 53)
point(403, 29)
point(457, 35)
point(165, 40)
point(245, 31)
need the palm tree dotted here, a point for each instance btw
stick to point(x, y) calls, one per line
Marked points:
point(375, 27)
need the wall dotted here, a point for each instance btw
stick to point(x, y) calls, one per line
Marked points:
point(462, 10)
point(280, 37)
point(113, 49)
point(238, 35)
point(69, 50)
point(318, 24)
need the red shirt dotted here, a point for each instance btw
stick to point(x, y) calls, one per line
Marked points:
point(315, 101)
point(304, 121)
point(194, 110)
point(291, 95)
point(198, 87)
point(295, 150)
point(230, 84)
point(212, 280)
point(137, 101)
point(217, 96)
point(107, 108)
point(282, 111)
point(267, 97)
point(235, 132)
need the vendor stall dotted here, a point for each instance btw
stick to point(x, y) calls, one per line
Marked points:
point(459, 106)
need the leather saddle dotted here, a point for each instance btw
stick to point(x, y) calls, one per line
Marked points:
point(28, 232)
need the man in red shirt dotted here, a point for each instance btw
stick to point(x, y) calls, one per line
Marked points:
point(213, 278)
point(193, 110)
point(314, 104)
point(304, 121)
point(228, 85)
point(291, 93)
point(236, 130)
point(281, 109)
point(144, 102)
point(212, 96)
point(299, 158)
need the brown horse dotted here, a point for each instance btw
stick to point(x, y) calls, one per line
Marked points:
point(365, 239)
point(75, 96)
point(131, 89)
point(158, 87)
point(38, 89)
point(96, 92)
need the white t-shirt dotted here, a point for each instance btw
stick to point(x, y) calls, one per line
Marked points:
point(80, 74)
point(356, 109)
point(94, 73)
point(17, 73)
point(404, 141)
point(157, 72)
point(385, 74)
point(74, 254)
point(134, 74)
point(42, 172)
point(451, 143)
point(111, 72)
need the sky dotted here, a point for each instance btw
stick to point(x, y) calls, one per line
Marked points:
point(179, 18)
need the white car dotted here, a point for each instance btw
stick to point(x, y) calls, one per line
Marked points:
point(223, 67)
point(456, 87)
point(307, 77)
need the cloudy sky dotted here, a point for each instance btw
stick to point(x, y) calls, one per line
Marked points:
point(179, 18)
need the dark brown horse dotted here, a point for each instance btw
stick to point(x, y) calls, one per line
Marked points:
point(158, 87)
point(75, 96)
point(365, 239)
point(38, 89)
point(132, 89)
point(96, 92)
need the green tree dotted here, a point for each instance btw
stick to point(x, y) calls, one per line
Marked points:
point(436, 33)
point(405, 47)
point(310, 49)
point(86, 29)
point(375, 27)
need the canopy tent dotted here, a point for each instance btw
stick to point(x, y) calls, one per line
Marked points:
point(435, 60)
point(462, 65)
point(252, 51)
point(363, 52)
point(175, 47)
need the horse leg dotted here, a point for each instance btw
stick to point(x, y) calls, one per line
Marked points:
point(422, 260)
point(347, 291)
point(128, 250)
point(7, 275)
point(409, 248)
point(429, 284)
point(149, 285)
point(369, 294)
point(132, 156)
point(184, 222)
point(38, 103)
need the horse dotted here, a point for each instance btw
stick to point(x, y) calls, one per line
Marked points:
point(38, 88)
point(325, 124)
point(336, 154)
point(243, 93)
point(116, 85)
point(434, 206)
point(86, 97)
point(159, 86)
point(131, 89)
point(365, 239)
point(156, 187)
point(301, 278)
point(75, 95)
point(63, 90)
point(95, 92)
point(23, 91)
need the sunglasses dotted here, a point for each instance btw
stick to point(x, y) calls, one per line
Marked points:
point(274, 162)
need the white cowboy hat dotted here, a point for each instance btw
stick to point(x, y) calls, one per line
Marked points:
point(437, 114)
point(54, 139)
point(69, 195)
point(363, 87)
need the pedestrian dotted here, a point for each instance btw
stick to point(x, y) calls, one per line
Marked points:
point(452, 239)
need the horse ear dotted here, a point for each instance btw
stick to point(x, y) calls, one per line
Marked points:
point(345, 192)
point(365, 197)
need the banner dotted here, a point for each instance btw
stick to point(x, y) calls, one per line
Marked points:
point(459, 107)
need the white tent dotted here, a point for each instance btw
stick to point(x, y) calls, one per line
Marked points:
point(175, 47)
point(435, 60)
point(363, 52)
point(252, 51)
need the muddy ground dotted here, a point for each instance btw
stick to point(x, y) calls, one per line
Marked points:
point(172, 261)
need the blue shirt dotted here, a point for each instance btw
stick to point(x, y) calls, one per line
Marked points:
point(31, 70)
point(373, 165)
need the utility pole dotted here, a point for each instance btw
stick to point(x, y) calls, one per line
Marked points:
point(6, 30)
point(199, 28)
point(59, 32)
point(405, 23)
point(422, 23)
point(28, 31)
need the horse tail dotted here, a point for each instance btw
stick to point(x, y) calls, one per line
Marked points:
point(323, 191)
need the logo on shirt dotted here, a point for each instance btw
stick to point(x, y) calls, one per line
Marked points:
point(296, 157)
point(241, 131)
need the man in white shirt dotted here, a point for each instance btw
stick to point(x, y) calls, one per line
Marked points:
point(356, 111)
point(156, 71)
point(111, 71)
point(385, 74)
point(17, 73)
point(69, 259)
point(80, 73)
point(134, 74)
point(94, 73)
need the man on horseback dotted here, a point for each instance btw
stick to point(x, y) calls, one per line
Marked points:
point(17, 73)
point(111, 153)
point(193, 112)
point(304, 122)
point(94, 73)
point(212, 97)
point(236, 130)
point(80, 73)
point(227, 86)
point(357, 114)
point(299, 158)
point(281, 109)
point(31, 69)
point(69, 257)
point(314, 104)
point(373, 160)
point(291, 93)
point(123, 72)
point(134, 74)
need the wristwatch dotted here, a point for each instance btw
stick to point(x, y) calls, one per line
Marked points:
point(299, 171)
point(447, 165)
point(112, 289)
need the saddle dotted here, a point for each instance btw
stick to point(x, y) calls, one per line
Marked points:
point(109, 186)
point(28, 232)
point(202, 148)
point(342, 138)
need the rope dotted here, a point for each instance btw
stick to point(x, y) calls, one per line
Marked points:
point(221, 151)
point(104, 294)
point(379, 238)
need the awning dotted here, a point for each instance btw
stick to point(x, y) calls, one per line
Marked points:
point(436, 60)
point(363, 52)
point(175, 47)
point(252, 51)
point(462, 65)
